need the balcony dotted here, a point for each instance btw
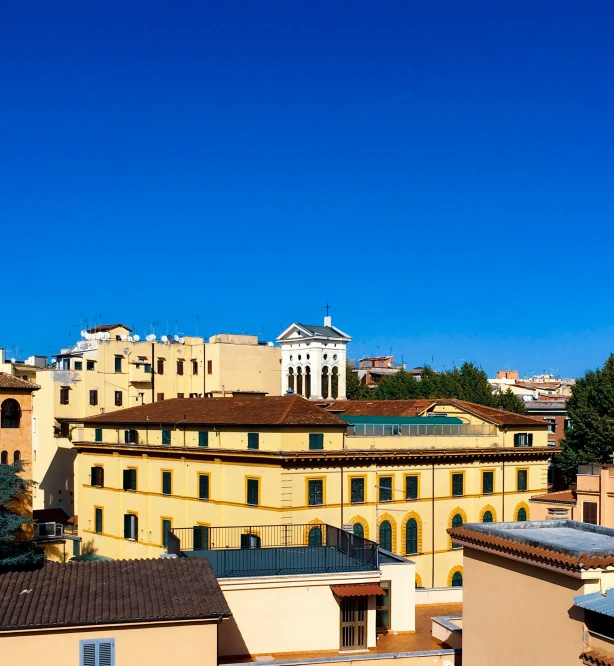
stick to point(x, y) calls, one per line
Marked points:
point(275, 550)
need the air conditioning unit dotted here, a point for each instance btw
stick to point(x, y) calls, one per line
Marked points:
point(48, 530)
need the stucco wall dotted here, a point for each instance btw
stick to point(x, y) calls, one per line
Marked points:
point(515, 614)
point(149, 645)
point(402, 578)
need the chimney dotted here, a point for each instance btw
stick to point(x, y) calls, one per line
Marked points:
point(328, 320)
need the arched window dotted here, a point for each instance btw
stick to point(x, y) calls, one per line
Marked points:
point(385, 535)
point(457, 521)
point(11, 413)
point(16, 456)
point(411, 537)
point(299, 381)
point(325, 382)
point(457, 579)
point(308, 382)
point(291, 378)
point(334, 383)
point(359, 530)
point(487, 517)
point(522, 514)
point(4, 458)
point(315, 536)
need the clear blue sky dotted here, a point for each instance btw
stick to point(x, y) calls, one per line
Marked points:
point(440, 173)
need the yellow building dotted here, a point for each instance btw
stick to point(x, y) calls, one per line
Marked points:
point(285, 460)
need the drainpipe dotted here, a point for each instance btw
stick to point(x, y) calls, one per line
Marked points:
point(341, 472)
point(153, 373)
point(433, 527)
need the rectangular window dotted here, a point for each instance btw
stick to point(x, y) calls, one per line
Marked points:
point(552, 425)
point(97, 652)
point(118, 364)
point(160, 363)
point(411, 487)
point(65, 364)
point(194, 367)
point(316, 441)
point(488, 481)
point(131, 527)
point(98, 520)
point(458, 483)
point(203, 486)
point(64, 395)
point(521, 479)
point(118, 398)
point(160, 397)
point(90, 365)
point(179, 367)
point(98, 477)
point(382, 607)
point(523, 439)
point(252, 491)
point(147, 368)
point(180, 395)
point(93, 398)
point(385, 489)
point(203, 438)
point(253, 440)
point(78, 365)
point(209, 367)
point(589, 512)
point(167, 484)
point(567, 424)
point(201, 537)
point(357, 491)
point(166, 437)
point(166, 528)
point(98, 435)
point(315, 493)
point(130, 479)
point(131, 436)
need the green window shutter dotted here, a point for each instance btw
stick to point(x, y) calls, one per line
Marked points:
point(385, 535)
point(457, 521)
point(385, 489)
point(127, 526)
point(203, 438)
point(94, 476)
point(457, 579)
point(315, 536)
point(530, 439)
point(358, 491)
point(487, 517)
point(411, 487)
point(126, 436)
point(203, 487)
point(253, 440)
point(201, 537)
point(252, 492)
point(522, 515)
point(315, 493)
point(133, 479)
point(522, 480)
point(457, 485)
point(487, 483)
point(166, 528)
point(358, 530)
point(166, 437)
point(127, 479)
point(411, 537)
point(99, 521)
point(98, 434)
point(316, 441)
point(166, 484)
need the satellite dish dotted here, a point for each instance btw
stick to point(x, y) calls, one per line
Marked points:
point(84, 334)
point(123, 337)
point(88, 336)
point(270, 344)
point(149, 337)
point(107, 336)
point(181, 341)
point(99, 336)
point(13, 360)
point(153, 336)
point(130, 338)
point(176, 338)
point(164, 338)
point(136, 338)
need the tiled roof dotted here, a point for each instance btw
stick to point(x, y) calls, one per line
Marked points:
point(104, 328)
point(561, 496)
point(358, 590)
point(496, 416)
point(499, 540)
point(239, 410)
point(95, 593)
point(16, 383)
point(596, 659)
point(380, 407)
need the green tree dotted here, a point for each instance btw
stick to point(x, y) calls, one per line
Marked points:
point(353, 389)
point(15, 553)
point(590, 440)
point(509, 401)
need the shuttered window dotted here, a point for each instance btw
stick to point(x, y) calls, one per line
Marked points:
point(203, 438)
point(97, 652)
point(315, 492)
point(130, 479)
point(411, 537)
point(487, 483)
point(64, 395)
point(118, 364)
point(166, 437)
point(179, 367)
point(589, 513)
point(203, 486)
point(522, 515)
point(194, 367)
point(167, 488)
point(253, 440)
point(98, 435)
point(93, 398)
point(411, 487)
point(523, 439)
point(98, 516)
point(131, 436)
point(316, 441)
point(252, 491)
point(98, 477)
point(209, 367)
point(457, 485)
point(201, 537)
point(357, 491)
point(521, 480)
point(160, 364)
point(166, 528)
point(385, 535)
point(118, 398)
point(457, 521)
point(385, 489)
point(131, 526)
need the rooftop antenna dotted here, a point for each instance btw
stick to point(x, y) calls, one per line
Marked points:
point(327, 306)
point(197, 322)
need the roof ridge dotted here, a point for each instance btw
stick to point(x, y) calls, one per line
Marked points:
point(288, 408)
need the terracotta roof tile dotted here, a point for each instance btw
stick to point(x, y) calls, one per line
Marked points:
point(358, 590)
point(239, 410)
point(597, 659)
point(496, 416)
point(562, 496)
point(11, 382)
point(85, 593)
point(103, 328)
point(380, 407)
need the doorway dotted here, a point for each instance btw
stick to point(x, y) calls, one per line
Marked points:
point(354, 623)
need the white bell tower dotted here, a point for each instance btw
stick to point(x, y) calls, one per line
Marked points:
point(313, 360)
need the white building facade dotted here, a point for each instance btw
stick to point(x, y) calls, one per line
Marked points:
point(313, 360)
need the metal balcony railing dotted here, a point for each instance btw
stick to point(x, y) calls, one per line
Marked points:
point(270, 550)
point(420, 430)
